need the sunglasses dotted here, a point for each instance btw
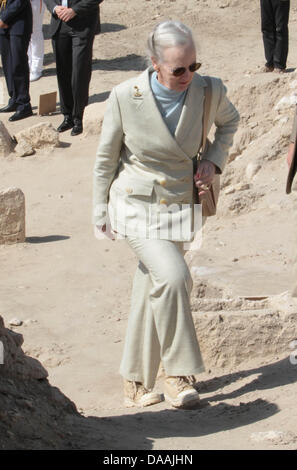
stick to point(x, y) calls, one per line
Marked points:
point(179, 71)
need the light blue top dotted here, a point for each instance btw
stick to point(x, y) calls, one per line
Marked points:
point(170, 102)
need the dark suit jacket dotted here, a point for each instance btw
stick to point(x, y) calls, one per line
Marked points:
point(86, 20)
point(18, 16)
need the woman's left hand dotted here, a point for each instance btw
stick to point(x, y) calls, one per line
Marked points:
point(204, 175)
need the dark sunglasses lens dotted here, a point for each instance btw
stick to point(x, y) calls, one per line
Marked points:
point(194, 67)
point(179, 71)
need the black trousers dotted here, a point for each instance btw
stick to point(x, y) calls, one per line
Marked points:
point(274, 26)
point(14, 56)
point(74, 68)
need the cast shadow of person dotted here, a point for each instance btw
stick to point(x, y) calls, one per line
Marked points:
point(282, 372)
point(130, 62)
point(61, 426)
point(139, 430)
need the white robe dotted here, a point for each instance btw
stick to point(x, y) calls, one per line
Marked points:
point(36, 46)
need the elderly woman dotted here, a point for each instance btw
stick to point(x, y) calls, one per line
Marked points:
point(150, 137)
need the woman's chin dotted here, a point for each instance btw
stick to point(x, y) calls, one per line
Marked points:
point(183, 86)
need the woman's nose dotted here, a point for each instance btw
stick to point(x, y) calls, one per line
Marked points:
point(187, 75)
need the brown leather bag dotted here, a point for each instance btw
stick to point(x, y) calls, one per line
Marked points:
point(209, 199)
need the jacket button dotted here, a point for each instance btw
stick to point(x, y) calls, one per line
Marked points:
point(163, 182)
point(163, 201)
point(129, 190)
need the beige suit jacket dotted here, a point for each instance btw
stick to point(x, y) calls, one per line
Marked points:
point(140, 165)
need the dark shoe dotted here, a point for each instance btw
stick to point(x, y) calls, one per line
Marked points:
point(278, 70)
point(66, 124)
point(267, 68)
point(21, 115)
point(77, 128)
point(9, 108)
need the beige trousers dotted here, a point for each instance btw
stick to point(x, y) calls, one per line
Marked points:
point(160, 325)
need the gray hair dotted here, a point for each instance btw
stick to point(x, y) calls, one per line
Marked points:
point(168, 34)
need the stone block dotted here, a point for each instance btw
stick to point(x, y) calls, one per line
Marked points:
point(12, 216)
point(235, 331)
point(40, 136)
point(6, 141)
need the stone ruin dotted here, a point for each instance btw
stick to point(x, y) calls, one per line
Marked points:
point(33, 414)
point(12, 216)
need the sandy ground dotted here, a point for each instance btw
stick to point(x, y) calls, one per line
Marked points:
point(75, 289)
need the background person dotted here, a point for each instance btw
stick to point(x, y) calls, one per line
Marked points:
point(36, 46)
point(150, 137)
point(74, 24)
point(274, 26)
point(15, 33)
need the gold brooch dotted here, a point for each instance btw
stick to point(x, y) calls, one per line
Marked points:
point(137, 92)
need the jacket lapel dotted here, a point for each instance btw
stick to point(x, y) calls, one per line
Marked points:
point(190, 122)
point(145, 103)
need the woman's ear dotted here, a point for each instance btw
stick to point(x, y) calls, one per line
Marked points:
point(155, 64)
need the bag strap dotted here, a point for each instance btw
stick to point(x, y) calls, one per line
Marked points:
point(206, 111)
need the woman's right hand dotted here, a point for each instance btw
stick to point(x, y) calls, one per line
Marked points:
point(105, 230)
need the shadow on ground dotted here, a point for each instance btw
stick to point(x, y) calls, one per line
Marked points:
point(36, 415)
point(138, 431)
point(105, 28)
point(46, 239)
point(124, 64)
point(99, 97)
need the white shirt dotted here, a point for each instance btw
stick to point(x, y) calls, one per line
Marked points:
point(64, 3)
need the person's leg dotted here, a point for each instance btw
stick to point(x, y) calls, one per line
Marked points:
point(268, 31)
point(7, 68)
point(62, 46)
point(160, 327)
point(81, 73)
point(20, 71)
point(36, 48)
point(141, 356)
point(280, 55)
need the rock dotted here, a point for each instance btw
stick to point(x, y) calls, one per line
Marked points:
point(230, 190)
point(293, 84)
point(286, 102)
point(242, 186)
point(6, 141)
point(16, 363)
point(39, 136)
point(24, 149)
point(241, 140)
point(15, 322)
point(232, 331)
point(251, 170)
point(32, 412)
point(12, 216)
point(224, 4)
point(93, 118)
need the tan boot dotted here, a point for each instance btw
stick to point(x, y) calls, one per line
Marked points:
point(137, 395)
point(179, 392)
